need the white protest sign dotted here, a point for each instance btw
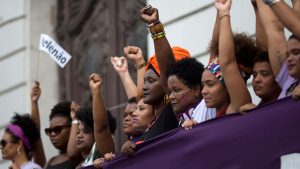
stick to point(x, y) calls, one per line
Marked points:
point(56, 52)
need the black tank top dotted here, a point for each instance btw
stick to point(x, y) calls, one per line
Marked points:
point(64, 165)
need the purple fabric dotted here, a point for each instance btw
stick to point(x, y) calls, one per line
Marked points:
point(256, 140)
point(284, 80)
point(18, 132)
point(88, 167)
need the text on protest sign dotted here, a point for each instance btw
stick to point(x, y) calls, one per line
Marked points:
point(56, 52)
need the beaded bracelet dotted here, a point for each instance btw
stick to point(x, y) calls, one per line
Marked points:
point(140, 65)
point(154, 23)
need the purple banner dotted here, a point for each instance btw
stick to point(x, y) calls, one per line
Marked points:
point(256, 140)
point(88, 167)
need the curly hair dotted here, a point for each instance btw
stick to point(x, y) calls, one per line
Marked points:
point(245, 49)
point(61, 109)
point(187, 70)
point(85, 115)
point(29, 128)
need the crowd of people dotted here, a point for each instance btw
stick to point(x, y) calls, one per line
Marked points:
point(172, 90)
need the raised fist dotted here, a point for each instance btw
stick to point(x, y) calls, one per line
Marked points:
point(149, 14)
point(35, 92)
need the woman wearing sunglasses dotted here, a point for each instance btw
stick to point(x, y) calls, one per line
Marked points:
point(18, 142)
point(58, 132)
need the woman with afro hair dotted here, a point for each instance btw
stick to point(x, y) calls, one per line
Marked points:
point(18, 142)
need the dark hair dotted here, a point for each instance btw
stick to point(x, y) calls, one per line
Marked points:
point(245, 52)
point(245, 49)
point(262, 57)
point(293, 36)
point(29, 128)
point(132, 100)
point(85, 115)
point(187, 70)
point(61, 109)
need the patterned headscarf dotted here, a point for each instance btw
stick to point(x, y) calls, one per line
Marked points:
point(215, 69)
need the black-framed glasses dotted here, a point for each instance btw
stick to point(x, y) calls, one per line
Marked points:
point(3, 143)
point(56, 129)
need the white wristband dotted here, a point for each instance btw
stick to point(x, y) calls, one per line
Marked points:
point(75, 122)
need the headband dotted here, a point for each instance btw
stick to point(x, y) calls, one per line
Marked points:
point(18, 132)
point(215, 69)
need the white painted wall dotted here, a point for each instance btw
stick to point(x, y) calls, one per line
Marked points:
point(21, 22)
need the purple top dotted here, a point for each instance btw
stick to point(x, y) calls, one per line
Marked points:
point(284, 80)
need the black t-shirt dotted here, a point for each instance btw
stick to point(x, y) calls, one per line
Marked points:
point(165, 122)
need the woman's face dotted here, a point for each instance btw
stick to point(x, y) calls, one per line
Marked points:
point(214, 92)
point(143, 116)
point(127, 121)
point(263, 82)
point(293, 60)
point(153, 92)
point(9, 146)
point(181, 96)
point(59, 132)
point(84, 140)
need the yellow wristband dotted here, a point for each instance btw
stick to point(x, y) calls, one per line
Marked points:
point(159, 35)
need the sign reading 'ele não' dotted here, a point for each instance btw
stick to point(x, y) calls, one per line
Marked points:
point(54, 50)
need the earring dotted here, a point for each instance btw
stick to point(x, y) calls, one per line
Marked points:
point(19, 150)
point(166, 99)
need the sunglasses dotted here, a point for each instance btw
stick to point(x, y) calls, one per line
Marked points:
point(5, 142)
point(56, 130)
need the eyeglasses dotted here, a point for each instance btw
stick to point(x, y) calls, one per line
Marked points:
point(5, 142)
point(56, 130)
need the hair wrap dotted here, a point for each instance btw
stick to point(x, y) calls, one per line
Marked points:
point(179, 53)
point(215, 69)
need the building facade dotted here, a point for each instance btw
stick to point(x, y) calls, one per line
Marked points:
point(21, 23)
point(92, 31)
